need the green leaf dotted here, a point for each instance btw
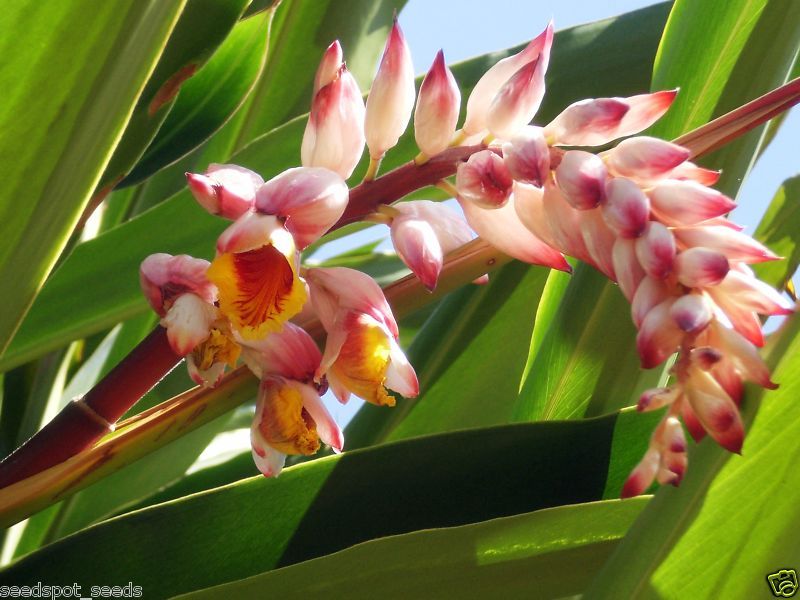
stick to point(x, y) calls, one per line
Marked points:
point(733, 519)
point(462, 384)
point(210, 97)
point(203, 26)
point(549, 553)
point(737, 51)
point(587, 61)
point(778, 230)
point(318, 507)
point(571, 373)
point(92, 61)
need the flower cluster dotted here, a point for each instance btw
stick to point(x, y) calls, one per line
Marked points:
point(644, 216)
point(640, 213)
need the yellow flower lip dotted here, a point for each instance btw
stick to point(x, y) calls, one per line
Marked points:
point(285, 423)
point(363, 361)
point(259, 289)
point(218, 348)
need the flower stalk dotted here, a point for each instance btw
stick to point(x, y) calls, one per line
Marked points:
point(509, 94)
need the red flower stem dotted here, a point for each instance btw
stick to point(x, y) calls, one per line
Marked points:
point(400, 182)
point(85, 420)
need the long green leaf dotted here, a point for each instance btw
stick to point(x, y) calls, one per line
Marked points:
point(326, 505)
point(590, 60)
point(209, 98)
point(203, 25)
point(90, 63)
point(463, 384)
point(549, 553)
point(780, 232)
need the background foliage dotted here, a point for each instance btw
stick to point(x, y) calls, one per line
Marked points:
point(502, 476)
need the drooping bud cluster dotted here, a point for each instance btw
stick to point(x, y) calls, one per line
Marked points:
point(640, 213)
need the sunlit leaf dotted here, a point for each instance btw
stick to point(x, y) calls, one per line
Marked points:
point(318, 507)
point(92, 60)
point(529, 555)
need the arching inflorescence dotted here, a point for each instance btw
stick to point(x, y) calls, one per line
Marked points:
point(640, 213)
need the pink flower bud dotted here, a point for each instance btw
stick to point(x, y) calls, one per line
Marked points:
point(328, 68)
point(517, 101)
point(502, 228)
point(691, 313)
point(659, 336)
point(417, 246)
point(626, 209)
point(687, 202)
point(290, 352)
point(599, 240)
point(591, 122)
point(338, 290)
point(701, 267)
point(566, 224)
point(334, 135)
point(642, 475)
point(742, 354)
point(438, 105)
point(484, 180)
point(644, 110)
point(423, 233)
point(706, 357)
point(488, 86)
point(527, 156)
point(595, 122)
point(655, 250)
point(689, 170)
point(671, 437)
point(754, 295)
point(650, 293)
point(715, 410)
point(727, 241)
point(225, 190)
point(732, 314)
point(391, 98)
point(311, 199)
point(645, 157)
point(656, 398)
point(626, 266)
point(582, 178)
point(529, 206)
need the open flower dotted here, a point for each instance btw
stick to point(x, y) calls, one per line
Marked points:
point(256, 272)
point(361, 355)
point(290, 417)
point(179, 291)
